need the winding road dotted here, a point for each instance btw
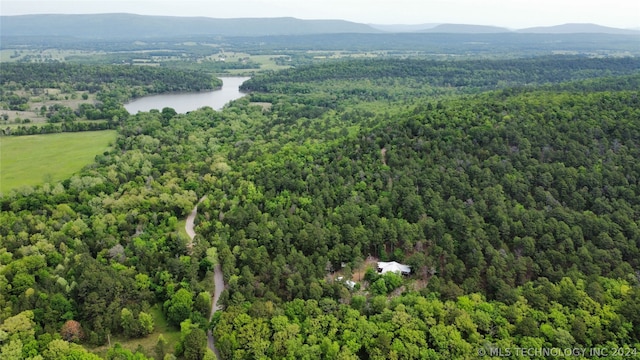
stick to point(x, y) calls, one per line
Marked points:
point(218, 280)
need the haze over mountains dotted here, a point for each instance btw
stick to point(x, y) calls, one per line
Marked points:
point(579, 28)
point(142, 26)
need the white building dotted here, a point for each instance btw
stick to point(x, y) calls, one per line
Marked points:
point(385, 267)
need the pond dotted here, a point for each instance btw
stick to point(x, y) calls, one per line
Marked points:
point(185, 102)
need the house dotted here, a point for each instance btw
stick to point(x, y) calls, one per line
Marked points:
point(385, 267)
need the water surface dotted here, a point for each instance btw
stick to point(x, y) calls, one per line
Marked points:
point(185, 102)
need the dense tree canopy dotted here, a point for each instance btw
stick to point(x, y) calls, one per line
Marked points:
point(92, 78)
point(517, 210)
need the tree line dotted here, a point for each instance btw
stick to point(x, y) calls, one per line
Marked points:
point(91, 78)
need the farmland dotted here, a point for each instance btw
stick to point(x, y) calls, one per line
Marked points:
point(36, 159)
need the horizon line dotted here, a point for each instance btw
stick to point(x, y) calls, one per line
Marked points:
point(432, 24)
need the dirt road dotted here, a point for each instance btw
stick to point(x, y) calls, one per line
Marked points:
point(218, 280)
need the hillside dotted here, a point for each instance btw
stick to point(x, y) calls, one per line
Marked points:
point(104, 26)
point(496, 200)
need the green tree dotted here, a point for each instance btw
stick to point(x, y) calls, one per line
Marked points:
point(202, 303)
point(128, 322)
point(179, 307)
point(62, 350)
point(195, 344)
point(379, 287)
point(146, 323)
point(161, 347)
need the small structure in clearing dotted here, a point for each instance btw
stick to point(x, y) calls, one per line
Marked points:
point(351, 284)
point(385, 267)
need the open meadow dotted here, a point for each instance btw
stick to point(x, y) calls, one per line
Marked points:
point(33, 160)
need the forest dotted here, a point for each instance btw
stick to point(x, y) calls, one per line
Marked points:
point(510, 187)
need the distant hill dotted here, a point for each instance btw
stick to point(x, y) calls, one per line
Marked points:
point(486, 29)
point(107, 26)
point(577, 29)
point(129, 26)
point(467, 29)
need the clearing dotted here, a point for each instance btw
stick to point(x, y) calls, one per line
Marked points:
point(35, 159)
point(147, 343)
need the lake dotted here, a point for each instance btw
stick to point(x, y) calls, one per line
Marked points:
point(185, 102)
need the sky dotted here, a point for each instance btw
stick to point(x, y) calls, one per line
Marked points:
point(513, 14)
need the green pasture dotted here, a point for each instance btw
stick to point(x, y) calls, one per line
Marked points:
point(35, 159)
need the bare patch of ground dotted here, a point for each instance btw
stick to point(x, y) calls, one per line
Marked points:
point(266, 106)
point(370, 262)
point(357, 275)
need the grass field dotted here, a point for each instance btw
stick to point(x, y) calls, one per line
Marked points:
point(35, 159)
point(148, 343)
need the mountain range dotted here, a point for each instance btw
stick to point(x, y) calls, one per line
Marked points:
point(104, 26)
point(579, 28)
point(144, 26)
